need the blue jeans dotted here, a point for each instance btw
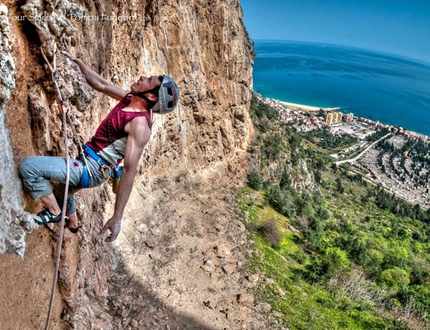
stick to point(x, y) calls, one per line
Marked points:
point(37, 171)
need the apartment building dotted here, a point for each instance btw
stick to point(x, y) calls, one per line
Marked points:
point(333, 118)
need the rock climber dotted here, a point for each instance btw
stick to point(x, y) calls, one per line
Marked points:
point(121, 136)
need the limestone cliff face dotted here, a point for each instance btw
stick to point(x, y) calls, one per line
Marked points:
point(13, 221)
point(202, 44)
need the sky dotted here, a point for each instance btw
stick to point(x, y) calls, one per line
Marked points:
point(400, 27)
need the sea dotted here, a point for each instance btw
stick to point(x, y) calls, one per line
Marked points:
point(378, 86)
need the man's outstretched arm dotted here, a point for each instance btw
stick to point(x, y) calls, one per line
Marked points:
point(138, 137)
point(96, 81)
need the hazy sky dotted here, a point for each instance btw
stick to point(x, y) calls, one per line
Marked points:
point(399, 27)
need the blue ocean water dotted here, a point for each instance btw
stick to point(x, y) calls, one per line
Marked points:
point(373, 85)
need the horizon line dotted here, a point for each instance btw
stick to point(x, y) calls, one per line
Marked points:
point(412, 59)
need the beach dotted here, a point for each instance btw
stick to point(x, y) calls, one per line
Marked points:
point(304, 107)
point(297, 106)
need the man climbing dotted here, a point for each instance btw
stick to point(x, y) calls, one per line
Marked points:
point(122, 135)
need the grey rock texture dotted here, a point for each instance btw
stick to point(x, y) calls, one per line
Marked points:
point(14, 222)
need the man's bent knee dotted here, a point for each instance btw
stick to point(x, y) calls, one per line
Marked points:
point(24, 167)
point(36, 185)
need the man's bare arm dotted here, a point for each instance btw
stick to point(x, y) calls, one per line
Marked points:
point(138, 137)
point(96, 81)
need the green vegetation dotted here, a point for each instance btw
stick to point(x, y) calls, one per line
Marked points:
point(339, 253)
point(325, 140)
point(377, 135)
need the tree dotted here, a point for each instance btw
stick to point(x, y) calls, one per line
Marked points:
point(281, 200)
point(337, 258)
point(272, 146)
point(285, 182)
point(396, 257)
point(254, 180)
point(340, 187)
point(271, 233)
point(323, 213)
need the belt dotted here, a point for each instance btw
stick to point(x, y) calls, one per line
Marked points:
point(90, 152)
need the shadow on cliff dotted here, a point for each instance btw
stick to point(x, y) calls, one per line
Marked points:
point(141, 306)
point(158, 280)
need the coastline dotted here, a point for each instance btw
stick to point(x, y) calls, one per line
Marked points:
point(304, 107)
point(344, 81)
point(309, 108)
point(297, 106)
point(304, 118)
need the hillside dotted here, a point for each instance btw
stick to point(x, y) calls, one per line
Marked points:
point(340, 253)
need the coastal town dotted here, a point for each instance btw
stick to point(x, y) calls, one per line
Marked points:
point(399, 173)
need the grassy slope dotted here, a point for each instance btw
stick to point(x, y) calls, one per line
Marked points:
point(304, 306)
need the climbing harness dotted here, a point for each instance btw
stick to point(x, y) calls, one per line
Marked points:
point(104, 166)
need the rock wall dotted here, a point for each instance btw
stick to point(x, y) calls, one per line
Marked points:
point(198, 149)
point(14, 222)
point(201, 44)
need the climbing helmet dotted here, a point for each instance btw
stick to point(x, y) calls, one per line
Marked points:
point(168, 96)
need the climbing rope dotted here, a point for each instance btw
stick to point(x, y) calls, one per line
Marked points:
point(64, 110)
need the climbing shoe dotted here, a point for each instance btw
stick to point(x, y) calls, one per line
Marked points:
point(45, 217)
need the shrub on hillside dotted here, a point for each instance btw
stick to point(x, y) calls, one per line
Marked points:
point(255, 181)
point(263, 125)
point(395, 277)
point(270, 232)
point(303, 222)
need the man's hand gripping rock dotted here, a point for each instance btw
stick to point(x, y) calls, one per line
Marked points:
point(114, 226)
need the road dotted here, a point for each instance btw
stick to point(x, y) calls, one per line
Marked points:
point(361, 153)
